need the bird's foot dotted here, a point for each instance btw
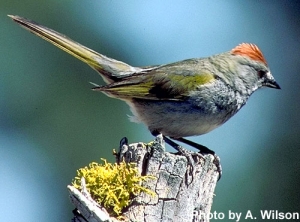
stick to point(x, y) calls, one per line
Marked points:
point(187, 154)
point(204, 150)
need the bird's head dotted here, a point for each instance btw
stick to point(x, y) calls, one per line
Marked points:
point(252, 68)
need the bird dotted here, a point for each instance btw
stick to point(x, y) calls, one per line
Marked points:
point(180, 99)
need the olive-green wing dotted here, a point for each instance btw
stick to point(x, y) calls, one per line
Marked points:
point(166, 83)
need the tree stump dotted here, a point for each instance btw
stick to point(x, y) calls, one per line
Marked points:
point(184, 192)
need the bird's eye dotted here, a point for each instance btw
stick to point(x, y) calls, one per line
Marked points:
point(261, 73)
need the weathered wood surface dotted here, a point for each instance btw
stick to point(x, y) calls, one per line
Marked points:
point(184, 192)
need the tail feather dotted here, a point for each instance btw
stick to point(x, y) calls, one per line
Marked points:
point(109, 69)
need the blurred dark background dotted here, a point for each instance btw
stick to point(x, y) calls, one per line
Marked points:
point(51, 123)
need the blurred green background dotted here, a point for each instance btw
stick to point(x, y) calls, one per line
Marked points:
point(51, 123)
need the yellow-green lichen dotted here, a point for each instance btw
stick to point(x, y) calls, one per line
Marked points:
point(112, 185)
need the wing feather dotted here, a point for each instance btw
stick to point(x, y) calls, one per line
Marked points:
point(165, 83)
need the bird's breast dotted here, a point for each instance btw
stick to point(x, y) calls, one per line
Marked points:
point(204, 110)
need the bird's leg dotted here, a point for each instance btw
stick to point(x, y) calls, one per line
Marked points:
point(201, 148)
point(188, 155)
point(171, 143)
point(180, 149)
point(204, 149)
point(184, 152)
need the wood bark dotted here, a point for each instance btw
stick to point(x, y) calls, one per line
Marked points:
point(184, 190)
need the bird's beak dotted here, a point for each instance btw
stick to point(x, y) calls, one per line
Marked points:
point(271, 82)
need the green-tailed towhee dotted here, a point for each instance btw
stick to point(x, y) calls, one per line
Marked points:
point(186, 98)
